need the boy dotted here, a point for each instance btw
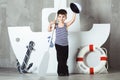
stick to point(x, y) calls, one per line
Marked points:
point(61, 42)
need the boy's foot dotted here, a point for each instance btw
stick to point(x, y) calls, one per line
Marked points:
point(67, 74)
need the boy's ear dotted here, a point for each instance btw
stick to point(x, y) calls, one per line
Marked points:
point(66, 17)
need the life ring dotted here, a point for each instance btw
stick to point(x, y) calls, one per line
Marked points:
point(81, 59)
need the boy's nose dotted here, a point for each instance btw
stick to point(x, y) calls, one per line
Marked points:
point(62, 18)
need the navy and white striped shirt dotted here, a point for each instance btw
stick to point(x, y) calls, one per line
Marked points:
point(61, 36)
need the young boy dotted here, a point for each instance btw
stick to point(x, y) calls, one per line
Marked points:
point(61, 41)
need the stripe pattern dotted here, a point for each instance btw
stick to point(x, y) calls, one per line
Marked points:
point(61, 36)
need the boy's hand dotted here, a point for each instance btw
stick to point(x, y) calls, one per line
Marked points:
point(50, 27)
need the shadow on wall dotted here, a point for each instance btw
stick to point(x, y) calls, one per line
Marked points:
point(86, 22)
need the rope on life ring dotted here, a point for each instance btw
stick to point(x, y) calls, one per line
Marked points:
point(81, 59)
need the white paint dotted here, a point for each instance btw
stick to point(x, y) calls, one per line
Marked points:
point(97, 36)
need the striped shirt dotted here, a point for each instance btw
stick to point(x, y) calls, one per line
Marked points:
point(61, 36)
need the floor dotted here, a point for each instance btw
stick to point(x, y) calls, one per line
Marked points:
point(12, 74)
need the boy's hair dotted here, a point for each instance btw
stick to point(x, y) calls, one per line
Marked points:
point(62, 11)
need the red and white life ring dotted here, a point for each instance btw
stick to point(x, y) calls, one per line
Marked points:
point(81, 59)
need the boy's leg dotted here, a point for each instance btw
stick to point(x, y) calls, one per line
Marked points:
point(62, 56)
point(65, 58)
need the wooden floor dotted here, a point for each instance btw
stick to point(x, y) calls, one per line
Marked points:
point(13, 74)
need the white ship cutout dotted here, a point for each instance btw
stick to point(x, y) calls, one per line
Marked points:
point(20, 37)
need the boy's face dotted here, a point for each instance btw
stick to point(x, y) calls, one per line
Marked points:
point(61, 17)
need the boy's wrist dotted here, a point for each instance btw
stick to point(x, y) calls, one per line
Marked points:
point(51, 24)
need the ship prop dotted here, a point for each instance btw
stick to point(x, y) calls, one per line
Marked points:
point(25, 67)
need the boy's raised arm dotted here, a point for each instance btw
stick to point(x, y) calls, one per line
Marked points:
point(72, 20)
